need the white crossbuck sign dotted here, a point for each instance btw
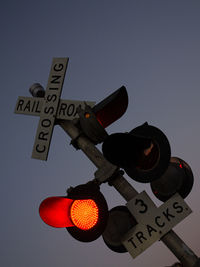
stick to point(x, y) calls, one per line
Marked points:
point(49, 108)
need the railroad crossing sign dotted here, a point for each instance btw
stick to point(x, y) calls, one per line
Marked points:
point(153, 222)
point(49, 108)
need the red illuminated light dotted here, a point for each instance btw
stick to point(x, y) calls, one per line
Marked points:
point(65, 212)
point(84, 213)
point(54, 211)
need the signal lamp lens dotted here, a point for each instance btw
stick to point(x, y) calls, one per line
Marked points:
point(87, 115)
point(148, 158)
point(84, 213)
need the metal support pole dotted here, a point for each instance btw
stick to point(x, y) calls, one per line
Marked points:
point(83, 143)
point(171, 239)
point(123, 187)
point(105, 168)
point(185, 255)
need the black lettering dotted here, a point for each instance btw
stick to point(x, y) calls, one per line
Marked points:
point(36, 109)
point(20, 104)
point(159, 224)
point(42, 136)
point(168, 215)
point(49, 110)
point(70, 112)
point(55, 78)
point(28, 106)
point(131, 241)
point(58, 67)
point(38, 149)
point(51, 98)
point(76, 113)
point(140, 236)
point(142, 204)
point(33, 106)
point(63, 107)
point(46, 123)
point(150, 229)
point(177, 207)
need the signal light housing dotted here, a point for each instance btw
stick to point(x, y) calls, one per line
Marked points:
point(144, 153)
point(90, 191)
point(93, 120)
point(90, 125)
point(178, 178)
point(112, 107)
point(120, 221)
point(84, 212)
point(55, 211)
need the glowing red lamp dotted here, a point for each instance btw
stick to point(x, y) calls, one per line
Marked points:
point(84, 212)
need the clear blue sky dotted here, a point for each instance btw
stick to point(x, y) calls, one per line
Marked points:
point(151, 47)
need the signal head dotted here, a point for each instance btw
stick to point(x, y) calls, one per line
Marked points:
point(112, 107)
point(143, 153)
point(93, 121)
point(178, 178)
point(120, 221)
point(89, 212)
point(84, 212)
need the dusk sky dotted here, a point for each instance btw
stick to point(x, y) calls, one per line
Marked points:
point(153, 48)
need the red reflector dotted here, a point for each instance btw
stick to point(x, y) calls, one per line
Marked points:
point(54, 211)
point(84, 213)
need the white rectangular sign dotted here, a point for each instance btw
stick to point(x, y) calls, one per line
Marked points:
point(29, 105)
point(66, 108)
point(49, 108)
point(155, 224)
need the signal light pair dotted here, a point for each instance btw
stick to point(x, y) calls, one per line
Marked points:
point(145, 155)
